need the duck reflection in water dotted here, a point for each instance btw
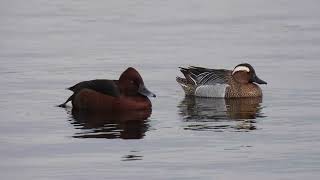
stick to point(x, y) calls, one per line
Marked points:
point(219, 114)
point(110, 125)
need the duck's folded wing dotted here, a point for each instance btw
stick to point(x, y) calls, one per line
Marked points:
point(205, 76)
point(108, 87)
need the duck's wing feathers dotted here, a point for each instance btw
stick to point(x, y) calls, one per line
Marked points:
point(108, 87)
point(205, 76)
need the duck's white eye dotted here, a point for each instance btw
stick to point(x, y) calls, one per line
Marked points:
point(240, 68)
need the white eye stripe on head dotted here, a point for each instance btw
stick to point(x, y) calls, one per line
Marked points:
point(240, 68)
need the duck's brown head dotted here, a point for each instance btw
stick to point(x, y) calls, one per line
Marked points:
point(244, 73)
point(131, 84)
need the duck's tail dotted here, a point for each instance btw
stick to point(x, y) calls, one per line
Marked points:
point(63, 105)
point(190, 77)
point(188, 88)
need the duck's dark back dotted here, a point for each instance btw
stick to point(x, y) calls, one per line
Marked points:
point(104, 86)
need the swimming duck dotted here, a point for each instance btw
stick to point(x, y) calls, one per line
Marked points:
point(236, 83)
point(127, 93)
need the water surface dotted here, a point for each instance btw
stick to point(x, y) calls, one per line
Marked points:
point(47, 46)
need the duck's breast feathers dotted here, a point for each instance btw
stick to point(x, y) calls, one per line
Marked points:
point(205, 76)
point(108, 87)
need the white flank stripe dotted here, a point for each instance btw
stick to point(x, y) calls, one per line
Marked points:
point(204, 75)
point(195, 82)
point(217, 90)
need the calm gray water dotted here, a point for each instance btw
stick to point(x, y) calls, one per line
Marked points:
point(46, 46)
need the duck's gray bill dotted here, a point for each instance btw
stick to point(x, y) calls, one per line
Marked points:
point(258, 80)
point(144, 91)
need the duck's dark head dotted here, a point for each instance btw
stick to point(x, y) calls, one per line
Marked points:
point(131, 84)
point(245, 73)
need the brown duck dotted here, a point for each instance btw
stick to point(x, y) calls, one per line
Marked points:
point(204, 82)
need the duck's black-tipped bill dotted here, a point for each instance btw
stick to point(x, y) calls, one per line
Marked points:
point(145, 92)
point(258, 80)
